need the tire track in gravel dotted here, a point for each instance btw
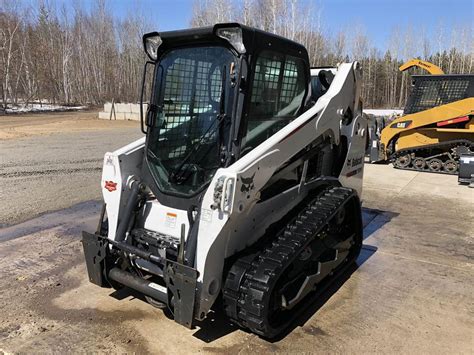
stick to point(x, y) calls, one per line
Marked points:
point(44, 173)
point(48, 172)
point(14, 164)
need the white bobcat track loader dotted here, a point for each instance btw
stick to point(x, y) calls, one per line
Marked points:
point(245, 188)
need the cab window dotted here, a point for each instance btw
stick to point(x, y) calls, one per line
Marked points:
point(277, 92)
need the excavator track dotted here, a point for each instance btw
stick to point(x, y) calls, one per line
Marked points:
point(263, 290)
point(440, 158)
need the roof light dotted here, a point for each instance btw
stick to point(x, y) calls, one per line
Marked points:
point(152, 41)
point(233, 35)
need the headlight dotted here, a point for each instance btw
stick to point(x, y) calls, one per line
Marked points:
point(233, 35)
point(152, 41)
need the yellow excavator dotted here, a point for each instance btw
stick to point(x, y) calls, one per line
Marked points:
point(437, 125)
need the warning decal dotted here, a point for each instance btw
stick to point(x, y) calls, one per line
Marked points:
point(170, 221)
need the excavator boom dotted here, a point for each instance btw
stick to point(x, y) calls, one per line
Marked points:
point(429, 67)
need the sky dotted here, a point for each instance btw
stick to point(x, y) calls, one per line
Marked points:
point(376, 17)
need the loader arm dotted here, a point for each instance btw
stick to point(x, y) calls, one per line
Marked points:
point(429, 67)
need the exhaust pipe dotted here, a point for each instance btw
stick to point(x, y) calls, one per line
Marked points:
point(146, 287)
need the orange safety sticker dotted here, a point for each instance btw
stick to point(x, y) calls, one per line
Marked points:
point(170, 221)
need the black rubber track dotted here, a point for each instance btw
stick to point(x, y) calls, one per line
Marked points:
point(252, 278)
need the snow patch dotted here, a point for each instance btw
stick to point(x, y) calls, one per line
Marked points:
point(35, 107)
point(383, 112)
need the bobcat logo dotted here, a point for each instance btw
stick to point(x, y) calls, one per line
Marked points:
point(354, 162)
point(247, 183)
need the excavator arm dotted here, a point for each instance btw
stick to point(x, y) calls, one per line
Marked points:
point(429, 67)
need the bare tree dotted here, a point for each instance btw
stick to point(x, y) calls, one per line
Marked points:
point(88, 56)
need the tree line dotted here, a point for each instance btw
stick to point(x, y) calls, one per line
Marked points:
point(84, 56)
point(383, 84)
point(88, 56)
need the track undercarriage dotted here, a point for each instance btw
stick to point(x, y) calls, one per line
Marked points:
point(265, 290)
point(438, 158)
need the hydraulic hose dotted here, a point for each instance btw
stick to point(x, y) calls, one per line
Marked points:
point(132, 203)
point(191, 242)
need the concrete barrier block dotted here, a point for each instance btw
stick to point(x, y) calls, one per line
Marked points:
point(123, 108)
point(123, 111)
point(121, 115)
point(136, 108)
point(107, 107)
point(132, 116)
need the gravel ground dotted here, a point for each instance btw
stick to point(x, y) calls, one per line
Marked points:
point(54, 161)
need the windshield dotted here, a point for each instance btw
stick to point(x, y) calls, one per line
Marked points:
point(191, 92)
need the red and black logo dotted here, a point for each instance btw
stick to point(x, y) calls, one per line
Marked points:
point(110, 185)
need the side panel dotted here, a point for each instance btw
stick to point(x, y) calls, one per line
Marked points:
point(425, 136)
point(119, 167)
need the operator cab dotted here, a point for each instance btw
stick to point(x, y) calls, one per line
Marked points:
point(217, 93)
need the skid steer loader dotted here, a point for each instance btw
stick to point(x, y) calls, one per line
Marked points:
point(436, 129)
point(244, 191)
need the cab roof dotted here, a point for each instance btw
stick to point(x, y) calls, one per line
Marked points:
point(253, 39)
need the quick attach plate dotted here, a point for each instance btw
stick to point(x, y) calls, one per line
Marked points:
point(95, 253)
point(181, 281)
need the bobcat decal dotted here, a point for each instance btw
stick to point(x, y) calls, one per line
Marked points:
point(247, 183)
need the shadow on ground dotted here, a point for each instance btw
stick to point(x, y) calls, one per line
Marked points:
point(374, 219)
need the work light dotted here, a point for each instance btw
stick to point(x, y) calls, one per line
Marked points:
point(233, 35)
point(152, 41)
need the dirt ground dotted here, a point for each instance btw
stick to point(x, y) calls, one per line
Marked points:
point(53, 161)
point(20, 126)
point(411, 291)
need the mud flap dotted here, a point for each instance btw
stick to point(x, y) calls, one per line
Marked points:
point(181, 282)
point(95, 250)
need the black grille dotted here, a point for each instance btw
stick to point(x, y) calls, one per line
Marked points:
point(433, 91)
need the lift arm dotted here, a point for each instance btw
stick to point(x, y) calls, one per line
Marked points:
point(430, 67)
